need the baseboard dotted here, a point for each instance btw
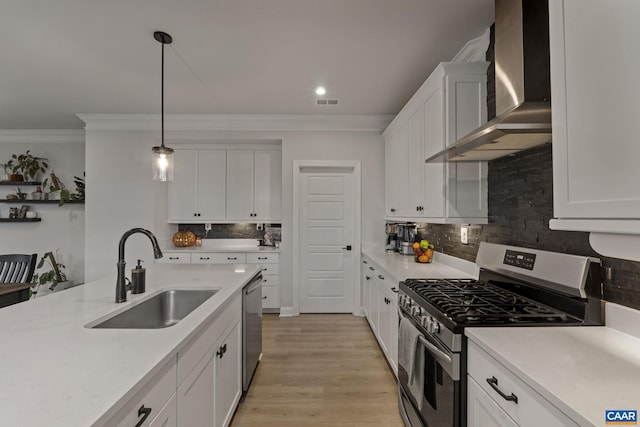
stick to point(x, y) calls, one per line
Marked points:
point(286, 312)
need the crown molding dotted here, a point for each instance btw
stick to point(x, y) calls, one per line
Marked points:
point(475, 50)
point(42, 136)
point(236, 122)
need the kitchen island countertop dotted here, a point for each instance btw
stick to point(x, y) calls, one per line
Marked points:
point(57, 372)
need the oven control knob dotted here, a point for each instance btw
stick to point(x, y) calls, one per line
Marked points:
point(433, 326)
point(416, 311)
point(424, 321)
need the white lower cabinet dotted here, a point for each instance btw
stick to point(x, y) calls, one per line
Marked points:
point(381, 309)
point(227, 376)
point(146, 405)
point(267, 261)
point(483, 411)
point(167, 416)
point(209, 389)
point(201, 386)
point(195, 395)
point(497, 397)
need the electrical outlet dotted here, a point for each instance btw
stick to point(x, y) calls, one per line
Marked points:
point(259, 227)
point(207, 227)
point(464, 235)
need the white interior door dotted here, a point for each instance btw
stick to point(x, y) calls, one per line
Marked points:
point(327, 223)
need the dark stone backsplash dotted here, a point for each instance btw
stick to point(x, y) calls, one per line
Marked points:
point(226, 231)
point(520, 207)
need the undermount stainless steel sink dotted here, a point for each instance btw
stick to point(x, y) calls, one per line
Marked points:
point(160, 311)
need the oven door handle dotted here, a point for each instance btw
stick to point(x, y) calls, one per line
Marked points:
point(435, 351)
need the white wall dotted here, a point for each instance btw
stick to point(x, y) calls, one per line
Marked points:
point(62, 228)
point(119, 171)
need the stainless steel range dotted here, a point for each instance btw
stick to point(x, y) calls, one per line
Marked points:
point(517, 287)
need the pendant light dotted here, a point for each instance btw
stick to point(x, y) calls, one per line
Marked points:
point(162, 156)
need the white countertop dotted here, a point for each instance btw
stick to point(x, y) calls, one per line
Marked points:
point(583, 371)
point(402, 267)
point(56, 372)
point(196, 249)
point(225, 245)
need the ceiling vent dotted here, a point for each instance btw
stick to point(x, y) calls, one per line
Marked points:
point(330, 102)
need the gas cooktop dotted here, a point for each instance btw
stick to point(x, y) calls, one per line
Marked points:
point(471, 302)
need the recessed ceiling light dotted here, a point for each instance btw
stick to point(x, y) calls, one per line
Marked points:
point(320, 90)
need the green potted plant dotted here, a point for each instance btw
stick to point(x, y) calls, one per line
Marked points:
point(28, 166)
point(51, 279)
point(21, 195)
point(7, 167)
point(55, 189)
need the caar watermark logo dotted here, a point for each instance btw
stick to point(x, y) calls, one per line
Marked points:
point(621, 417)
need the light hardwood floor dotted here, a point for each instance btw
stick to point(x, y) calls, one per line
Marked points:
point(320, 370)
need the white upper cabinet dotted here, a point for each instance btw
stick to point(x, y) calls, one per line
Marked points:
point(232, 185)
point(197, 193)
point(267, 184)
point(595, 108)
point(240, 184)
point(450, 104)
point(254, 185)
point(396, 174)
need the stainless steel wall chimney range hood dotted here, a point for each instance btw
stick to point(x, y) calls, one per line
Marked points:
point(523, 90)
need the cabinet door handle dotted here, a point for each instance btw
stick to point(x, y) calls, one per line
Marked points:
point(371, 268)
point(174, 257)
point(264, 280)
point(263, 257)
point(144, 413)
point(232, 258)
point(380, 276)
point(394, 290)
point(365, 262)
point(367, 277)
point(204, 258)
point(222, 351)
point(264, 297)
point(493, 382)
point(393, 209)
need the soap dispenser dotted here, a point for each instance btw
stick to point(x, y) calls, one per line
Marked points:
point(138, 279)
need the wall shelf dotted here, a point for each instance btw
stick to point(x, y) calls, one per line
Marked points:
point(20, 219)
point(19, 183)
point(35, 202)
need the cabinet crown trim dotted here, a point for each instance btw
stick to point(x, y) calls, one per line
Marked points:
point(224, 122)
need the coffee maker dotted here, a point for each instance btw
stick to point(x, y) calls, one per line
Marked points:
point(391, 244)
point(406, 237)
point(400, 237)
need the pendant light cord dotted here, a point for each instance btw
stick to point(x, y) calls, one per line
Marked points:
point(162, 98)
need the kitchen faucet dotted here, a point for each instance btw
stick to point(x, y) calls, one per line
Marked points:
point(121, 286)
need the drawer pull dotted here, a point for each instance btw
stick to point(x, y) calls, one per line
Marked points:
point(365, 262)
point(174, 257)
point(394, 290)
point(222, 351)
point(264, 297)
point(263, 257)
point(232, 258)
point(380, 276)
point(144, 412)
point(493, 382)
point(371, 268)
point(204, 258)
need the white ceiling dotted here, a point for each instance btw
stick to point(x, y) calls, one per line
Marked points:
point(63, 57)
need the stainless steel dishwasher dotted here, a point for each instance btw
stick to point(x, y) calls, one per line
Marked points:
point(251, 329)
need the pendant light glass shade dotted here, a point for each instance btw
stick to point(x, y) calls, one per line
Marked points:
point(162, 156)
point(162, 163)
